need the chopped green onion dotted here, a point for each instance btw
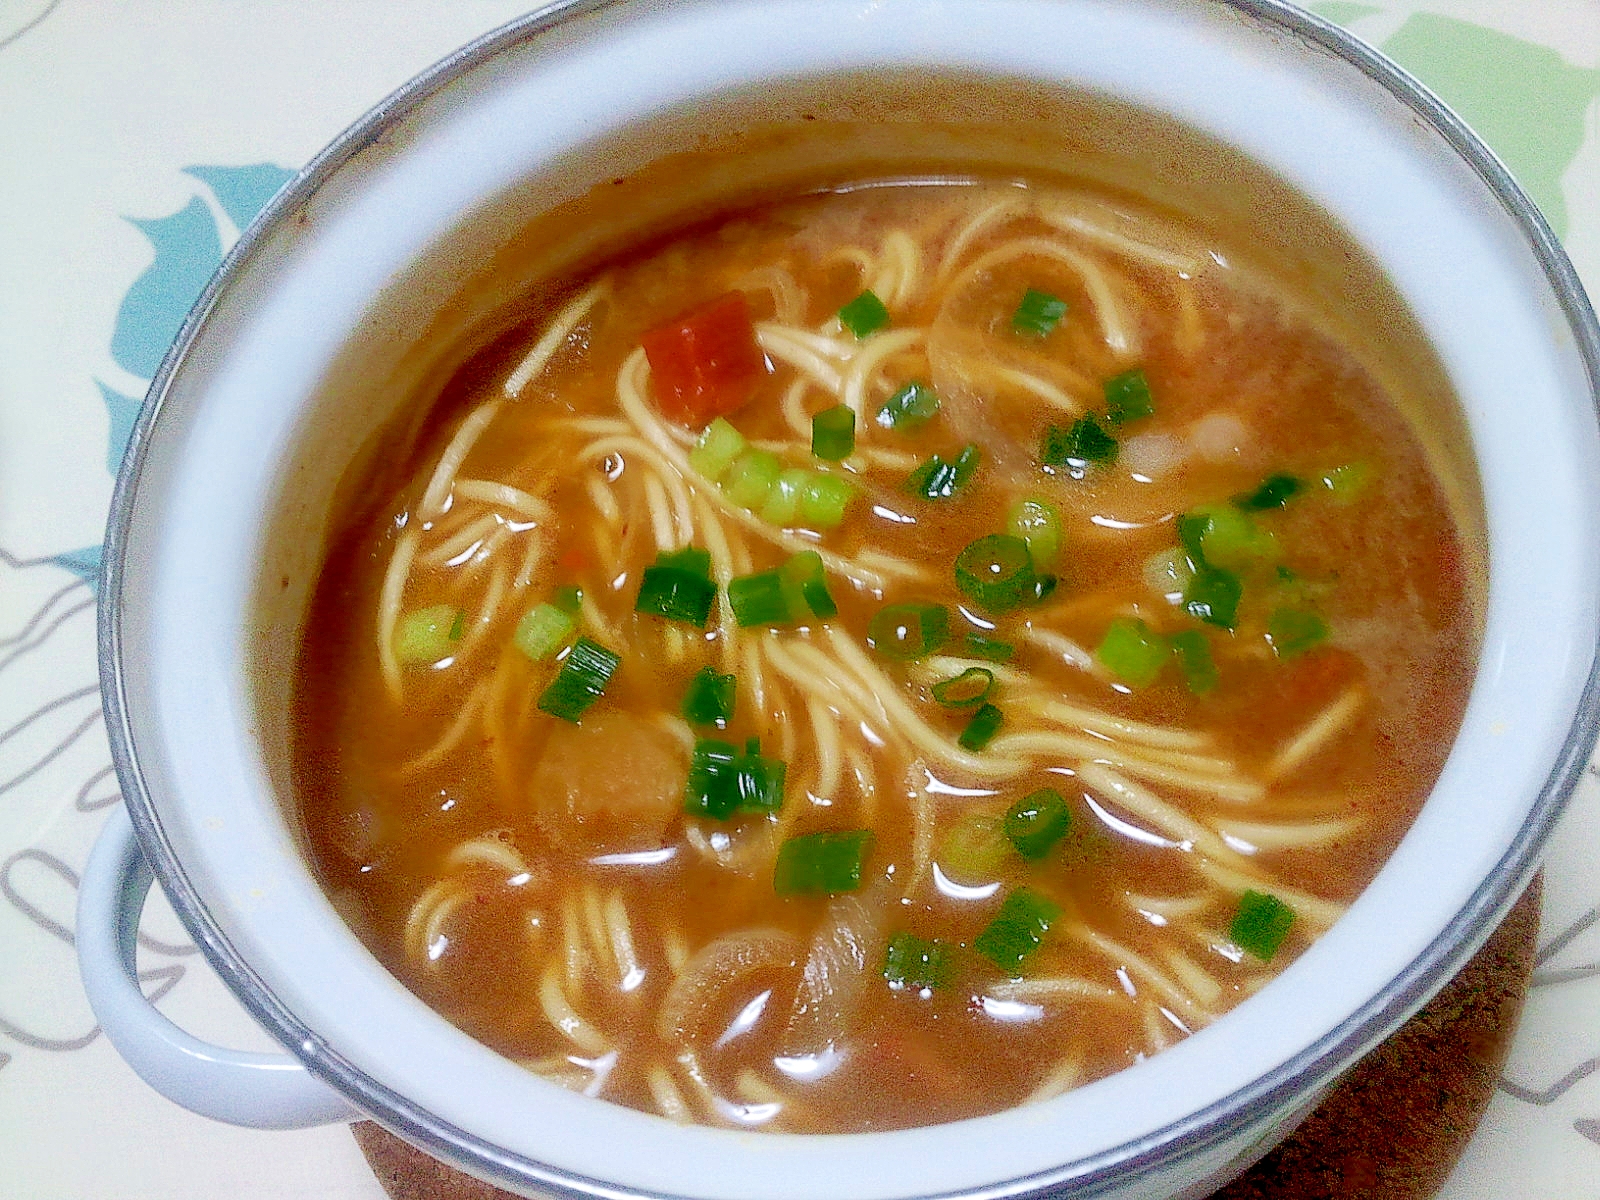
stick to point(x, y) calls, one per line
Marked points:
point(1077, 445)
point(1037, 822)
point(678, 587)
point(568, 599)
point(724, 781)
point(1293, 631)
point(824, 498)
point(996, 572)
point(1133, 652)
point(830, 862)
point(981, 729)
point(864, 315)
point(710, 699)
point(988, 648)
point(1220, 535)
point(1018, 929)
point(784, 595)
point(1348, 481)
point(940, 478)
point(913, 405)
point(975, 848)
point(759, 599)
point(1128, 397)
point(970, 687)
point(906, 632)
point(833, 433)
point(1038, 314)
point(749, 481)
point(1275, 491)
point(1194, 661)
point(582, 678)
point(543, 630)
point(1169, 571)
point(783, 502)
point(918, 964)
point(716, 449)
point(807, 580)
point(1038, 524)
point(1213, 597)
point(427, 635)
point(1260, 924)
point(759, 779)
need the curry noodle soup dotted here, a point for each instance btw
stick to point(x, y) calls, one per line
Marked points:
point(879, 655)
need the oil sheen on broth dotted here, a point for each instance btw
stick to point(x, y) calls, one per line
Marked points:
point(1068, 629)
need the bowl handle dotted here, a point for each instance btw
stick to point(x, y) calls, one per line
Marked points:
point(261, 1091)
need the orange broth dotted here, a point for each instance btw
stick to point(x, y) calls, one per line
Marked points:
point(458, 826)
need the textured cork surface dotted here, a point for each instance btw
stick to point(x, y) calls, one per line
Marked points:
point(1391, 1130)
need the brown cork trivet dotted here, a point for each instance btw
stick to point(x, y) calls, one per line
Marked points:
point(1391, 1130)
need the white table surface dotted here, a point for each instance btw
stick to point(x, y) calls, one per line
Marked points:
point(135, 138)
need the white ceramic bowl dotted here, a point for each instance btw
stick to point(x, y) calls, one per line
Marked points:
point(237, 440)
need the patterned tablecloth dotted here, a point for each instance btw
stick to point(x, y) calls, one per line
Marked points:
point(136, 140)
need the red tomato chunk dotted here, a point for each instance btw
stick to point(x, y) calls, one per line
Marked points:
point(704, 363)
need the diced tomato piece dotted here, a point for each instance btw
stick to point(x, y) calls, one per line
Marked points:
point(704, 363)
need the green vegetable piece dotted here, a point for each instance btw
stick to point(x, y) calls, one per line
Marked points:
point(783, 501)
point(996, 572)
point(1348, 481)
point(709, 702)
point(1038, 314)
point(712, 789)
point(906, 632)
point(1213, 597)
point(1194, 660)
point(981, 729)
point(716, 449)
point(1037, 523)
point(864, 315)
point(724, 781)
point(543, 630)
point(1018, 930)
point(940, 478)
point(1293, 631)
point(806, 580)
point(1037, 822)
point(583, 677)
point(1220, 535)
point(969, 688)
point(427, 635)
point(760, 599)
point(1261, 924)
point(990, 649)
point(830, 862)
point(824, 500)
point(833, 433)
point(750, 480)
point(912, 406)
point(917, 964)
point(1275, 491)
point(975, 848)
point(1128, 397)
point(1077, 445)
point(678, 587)
point(1133, 652)
point(569, 599)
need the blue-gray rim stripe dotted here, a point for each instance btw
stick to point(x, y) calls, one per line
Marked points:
point(1089, 1177)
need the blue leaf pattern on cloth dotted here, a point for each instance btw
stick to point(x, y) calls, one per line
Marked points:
point(122, 410)
point(242, 191)
point(84, 563)
point(188, 249)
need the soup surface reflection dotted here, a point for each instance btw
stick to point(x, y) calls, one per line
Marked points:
point(879, 658)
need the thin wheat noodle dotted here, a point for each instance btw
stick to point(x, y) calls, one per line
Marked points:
point(444, 474)
point(537, 359)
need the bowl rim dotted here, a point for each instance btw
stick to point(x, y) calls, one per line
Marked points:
point(1199, 1130)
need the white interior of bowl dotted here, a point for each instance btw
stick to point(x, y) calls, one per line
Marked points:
point(209, 475)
